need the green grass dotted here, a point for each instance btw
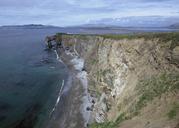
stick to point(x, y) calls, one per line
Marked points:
point(118, 37)
point(110, 124)
point(94, 61)
point(102, 125)
point(163, 37)
point(154, 87)
point(173, 112)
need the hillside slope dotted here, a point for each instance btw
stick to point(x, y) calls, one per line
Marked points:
point(133, 79)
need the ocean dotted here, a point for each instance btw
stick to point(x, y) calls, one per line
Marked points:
point(30, 78)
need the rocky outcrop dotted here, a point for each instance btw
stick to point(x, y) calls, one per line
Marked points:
point(54, 41)
point(133, 79)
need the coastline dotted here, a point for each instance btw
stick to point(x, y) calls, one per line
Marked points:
point(75, 93)
point(111, 66)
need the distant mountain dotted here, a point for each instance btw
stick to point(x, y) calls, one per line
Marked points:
point(29, 26)
point(176, 25)
point(138, 21)
point(95, 26)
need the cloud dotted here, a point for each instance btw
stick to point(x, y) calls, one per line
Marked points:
point(18, 3)
point(72, 12)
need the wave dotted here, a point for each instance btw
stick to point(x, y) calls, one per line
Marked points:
point(59, 97)
point(58, 58)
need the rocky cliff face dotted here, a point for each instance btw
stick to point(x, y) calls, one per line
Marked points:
point(134, 80)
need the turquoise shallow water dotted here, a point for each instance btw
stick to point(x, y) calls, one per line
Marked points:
point(30, 78)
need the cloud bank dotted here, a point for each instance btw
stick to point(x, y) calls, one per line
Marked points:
point(75, 12)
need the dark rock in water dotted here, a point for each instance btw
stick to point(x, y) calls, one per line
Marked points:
point(42, 62)
point(93, 101)
point(46, 61)
point(83, 69)
point(54, 41)
point(89, 109)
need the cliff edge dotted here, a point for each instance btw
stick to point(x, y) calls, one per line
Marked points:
point(133, 79)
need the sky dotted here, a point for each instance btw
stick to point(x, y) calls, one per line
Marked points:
point(76, 12)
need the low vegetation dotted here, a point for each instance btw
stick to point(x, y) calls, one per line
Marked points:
point(148, 90)
point(155, 87)
point(114, 124)
point(163, 37)
point(94, 61)
point(174, 111)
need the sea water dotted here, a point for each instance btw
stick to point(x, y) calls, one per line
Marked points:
point(30, 78)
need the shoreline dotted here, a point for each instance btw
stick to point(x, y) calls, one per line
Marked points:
point(77, 69)
point(110, 62)
point(75, 92)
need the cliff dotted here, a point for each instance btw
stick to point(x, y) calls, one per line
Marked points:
point(133, 79)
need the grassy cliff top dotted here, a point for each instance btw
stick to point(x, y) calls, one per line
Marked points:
point(163, 37)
